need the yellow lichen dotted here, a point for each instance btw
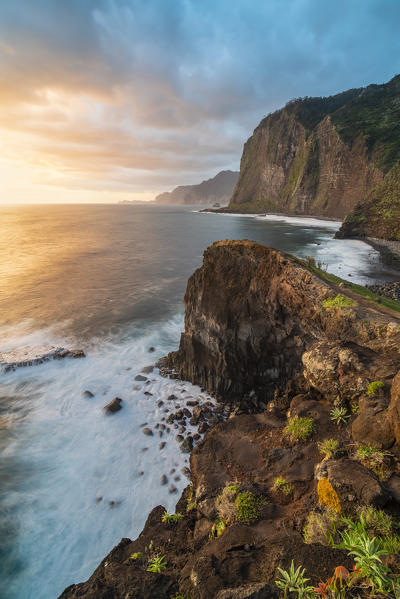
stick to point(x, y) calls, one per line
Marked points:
point(328, 496)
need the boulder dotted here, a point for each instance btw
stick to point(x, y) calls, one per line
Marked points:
point(372, 425)
point(113, 406)
point(352, 481)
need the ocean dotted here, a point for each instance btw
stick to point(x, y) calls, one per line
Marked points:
point(109, 279)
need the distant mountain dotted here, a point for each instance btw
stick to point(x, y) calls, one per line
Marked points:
point(217, 190)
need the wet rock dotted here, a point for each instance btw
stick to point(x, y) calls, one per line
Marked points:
point(99, 498)
point(32, 355)
point(186, 472)
point(140, 377)
point(160, 433)
point(148, 393)
point(160, 403)
point(203, 428)
point(143, 424)
point(157, 426)
point(192, 402)
point(172, 470)
point(144, 449)
point(196, 437)
point(141, 473)
point(162, 427)
point(187, 445)
point(114, 503)
point(176, 478)
point(147, 369)
point(162, 445)
point(147, 431)
point(172, 489)
point(87, 393)
point(171, 397)
point(151, 349)
point(113, 406)
point(179, 438)
point(136, 388)
point(187, 413)
point(164, 480)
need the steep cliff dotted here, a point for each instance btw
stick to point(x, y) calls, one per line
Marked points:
point(379, 215)
point(219, 190)
point(321, 156)
point(265, 490)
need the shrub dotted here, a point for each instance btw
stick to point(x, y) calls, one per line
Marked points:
point(168, 518)
point(339, 415)
point(340, 301)
point(374, 387)
point(299, 428)
point(136, 556)
point(320, 527)
point(367, 554)
point(329, 448)
point(247, 507)
point(372, 458)
point(294, 581)
point(156, 563)
point(328, 496)
point(376, 520)
point(226, 502)
point(218, 528)
point(281, 485)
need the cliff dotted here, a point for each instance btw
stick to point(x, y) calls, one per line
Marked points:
point(321, 156)
point(219, 190)
point(379, 215)
point(309, 369)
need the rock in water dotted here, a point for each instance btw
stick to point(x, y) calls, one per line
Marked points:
point(31, 355)
point(87, 393)
point(113, 406)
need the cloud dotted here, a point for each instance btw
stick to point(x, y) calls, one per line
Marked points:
point(147, 94)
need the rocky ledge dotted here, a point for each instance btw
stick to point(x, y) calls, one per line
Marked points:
point(305, 467)
point(31, 355)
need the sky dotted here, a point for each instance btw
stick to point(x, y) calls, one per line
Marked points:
point(108, 100)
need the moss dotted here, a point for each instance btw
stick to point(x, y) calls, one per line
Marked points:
point(374, 387)
point(136, 556)
point(247, 507)
point(328, 496)
point(340, 301)
point(299, 429)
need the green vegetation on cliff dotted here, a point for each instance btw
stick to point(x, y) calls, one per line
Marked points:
point(324, 156)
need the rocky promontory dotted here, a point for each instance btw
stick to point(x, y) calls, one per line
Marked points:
point(307, 464)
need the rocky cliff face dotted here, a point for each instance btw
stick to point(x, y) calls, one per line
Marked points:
point(379, 215)
point(219, 189)
point(259, 325)
point(321, 156)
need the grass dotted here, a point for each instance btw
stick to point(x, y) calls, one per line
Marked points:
point(329, 448)
point(247, 507)
point(339, 415)
point(136, 556)
point(363, 292)
point(372, 458)
point(299, 428)
point(340, 301)
point(282, 486)
point(168, 518)
point(156, 564)
point(374, 387)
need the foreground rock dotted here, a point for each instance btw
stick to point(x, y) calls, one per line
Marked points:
point(113, 406)
point(258, 333)
point(31, 355)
